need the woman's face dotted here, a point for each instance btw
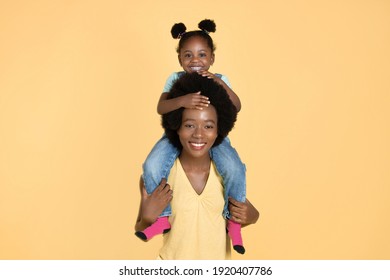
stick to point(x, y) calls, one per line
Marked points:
point(198, 131)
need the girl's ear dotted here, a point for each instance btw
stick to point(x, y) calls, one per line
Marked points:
point(178, 57)
point(212, 58)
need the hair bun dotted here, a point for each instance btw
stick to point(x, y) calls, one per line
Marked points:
point(177, 30)
point(207, 25)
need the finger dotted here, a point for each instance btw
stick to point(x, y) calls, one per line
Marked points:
point(203, 72)
point(167, 197)
point(235, 202)
point(199, 98)
point(233, 209)
point(161, 186)
point(163, 181)
point(202, 104)
point(238, 213)
point(205, 100)
point(166, 189)
point(236, 219)
point(207, 74)
point(144, 193)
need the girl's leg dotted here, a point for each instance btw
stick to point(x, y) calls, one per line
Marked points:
point(232, 171)
point(161, 225)
point(234, 231)
point(156, 167)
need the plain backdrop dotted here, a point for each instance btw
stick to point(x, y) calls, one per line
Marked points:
point(79, 85)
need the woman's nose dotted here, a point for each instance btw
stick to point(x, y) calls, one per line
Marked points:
point(197, 132)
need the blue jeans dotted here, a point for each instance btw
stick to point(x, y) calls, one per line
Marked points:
point(160, 160)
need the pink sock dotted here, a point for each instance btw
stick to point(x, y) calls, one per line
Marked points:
point(161, 225)
point(234, 231)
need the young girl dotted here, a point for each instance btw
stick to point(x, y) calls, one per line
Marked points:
point(196, 54)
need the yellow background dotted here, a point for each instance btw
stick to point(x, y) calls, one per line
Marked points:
point(79, 84)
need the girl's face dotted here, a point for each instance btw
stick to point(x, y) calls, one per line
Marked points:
point(198, 131)
point(195, 55)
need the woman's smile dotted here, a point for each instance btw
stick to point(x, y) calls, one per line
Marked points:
point(198, 131)
point(197, 146)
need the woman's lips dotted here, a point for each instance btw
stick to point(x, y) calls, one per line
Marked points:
point(197, 146)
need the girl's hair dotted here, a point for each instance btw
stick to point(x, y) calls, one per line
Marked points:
point(218, 97)
point(206, 26)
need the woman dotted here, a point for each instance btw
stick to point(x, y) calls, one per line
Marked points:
point(198, 227)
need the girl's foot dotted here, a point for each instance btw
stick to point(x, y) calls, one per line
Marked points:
point(234, 231)
point(160, 226)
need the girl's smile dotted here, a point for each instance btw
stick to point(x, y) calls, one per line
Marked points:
point(195, 55)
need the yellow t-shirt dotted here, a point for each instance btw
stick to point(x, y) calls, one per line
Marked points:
point(198, 228)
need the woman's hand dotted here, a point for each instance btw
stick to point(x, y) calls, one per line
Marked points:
point(243, 213)
point(153, 204)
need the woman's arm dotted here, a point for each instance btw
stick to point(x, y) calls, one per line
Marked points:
point(153, 204)
point(243, 212)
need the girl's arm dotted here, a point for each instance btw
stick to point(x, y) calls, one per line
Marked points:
point(152, 205)
point(189, 101)
point(233, 96)
point(243, 213)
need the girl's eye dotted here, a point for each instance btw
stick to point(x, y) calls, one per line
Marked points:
point(187, 55)
point(209, 127)
point(202, 55)
point(188, 125)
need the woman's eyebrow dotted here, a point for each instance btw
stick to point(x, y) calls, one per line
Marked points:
point(210, 120)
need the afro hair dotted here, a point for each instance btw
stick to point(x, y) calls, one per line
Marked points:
point(218, 97)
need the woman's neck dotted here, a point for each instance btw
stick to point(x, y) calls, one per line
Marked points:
point(195, 164)
point(197, 171)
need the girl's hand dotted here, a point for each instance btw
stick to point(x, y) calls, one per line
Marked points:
point(194, 101)
point(209, 75)
point(243, 213)
point(153, 204)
